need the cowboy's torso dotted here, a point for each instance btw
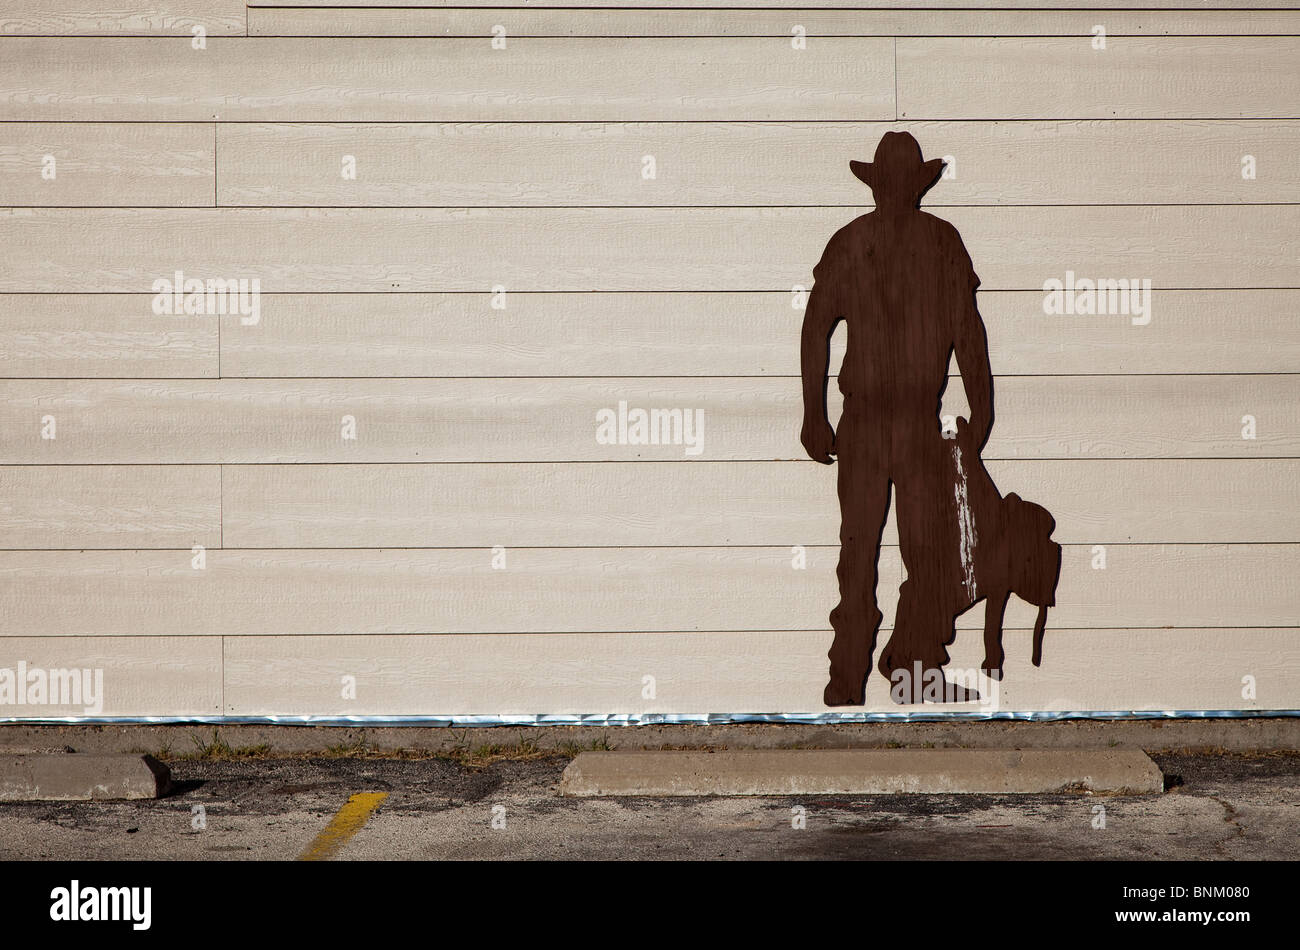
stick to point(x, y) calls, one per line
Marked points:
point(899, 281)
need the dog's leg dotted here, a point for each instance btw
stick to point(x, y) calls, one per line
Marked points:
point(995, 608)
point(1039, 624)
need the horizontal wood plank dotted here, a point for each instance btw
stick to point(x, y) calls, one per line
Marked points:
point(583, 249)
point(109, 164)
point(141, 676)
point(101, 335)
point(598, 164)
point(423, 80)
point(755, 503)
point(469, 20)
point(1132, 78)
point(552, 420)
point(122, 18)
point(648, 334)
point(110, 506)
point(743, 672)
point(689, 334)
point(450, 79)
point(754, 671)
point(580, 590)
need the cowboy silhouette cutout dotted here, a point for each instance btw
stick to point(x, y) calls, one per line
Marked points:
point(902, 281)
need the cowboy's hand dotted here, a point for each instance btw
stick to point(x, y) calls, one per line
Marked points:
point(818, 440)
point(979, 438)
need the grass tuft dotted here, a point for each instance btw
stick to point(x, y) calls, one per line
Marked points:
point(216, 749)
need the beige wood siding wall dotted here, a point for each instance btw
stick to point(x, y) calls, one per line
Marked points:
point(521, 168)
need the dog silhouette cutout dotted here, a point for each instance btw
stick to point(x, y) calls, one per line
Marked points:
point(995, 546)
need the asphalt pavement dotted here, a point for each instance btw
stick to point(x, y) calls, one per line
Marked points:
point(1217, 806)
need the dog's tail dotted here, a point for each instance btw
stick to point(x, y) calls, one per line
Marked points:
point(1039, 624)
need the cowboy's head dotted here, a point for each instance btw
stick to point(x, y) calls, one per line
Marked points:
point(898, 176)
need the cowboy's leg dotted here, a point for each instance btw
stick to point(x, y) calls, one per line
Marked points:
point(864, 505)
point(924, 623)
point(937, 588)
point(898, 660)
point(916, 653)
point(917, 643)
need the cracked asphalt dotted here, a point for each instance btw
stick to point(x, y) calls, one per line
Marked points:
point(1222, 807)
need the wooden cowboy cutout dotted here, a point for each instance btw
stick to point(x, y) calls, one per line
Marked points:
point(902, 281)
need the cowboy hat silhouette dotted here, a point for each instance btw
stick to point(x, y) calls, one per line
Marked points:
point(898, 174)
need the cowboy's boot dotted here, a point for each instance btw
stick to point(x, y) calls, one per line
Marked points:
point(850, 657)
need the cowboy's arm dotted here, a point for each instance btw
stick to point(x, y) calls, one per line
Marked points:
point(972, 348)
point(819, 321)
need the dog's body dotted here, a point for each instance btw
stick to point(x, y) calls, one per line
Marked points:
point(989, 547)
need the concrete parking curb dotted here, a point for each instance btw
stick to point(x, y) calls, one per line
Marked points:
point(74, 777)
point(863, 772)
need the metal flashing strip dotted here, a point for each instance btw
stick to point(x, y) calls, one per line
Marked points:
point(656, 719)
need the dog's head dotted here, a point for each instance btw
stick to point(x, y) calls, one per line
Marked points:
point(1035, 557)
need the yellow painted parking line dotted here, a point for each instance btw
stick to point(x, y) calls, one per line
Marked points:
point(355, 812)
